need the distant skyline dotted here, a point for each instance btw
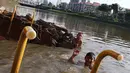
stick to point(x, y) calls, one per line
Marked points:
point(122, 3)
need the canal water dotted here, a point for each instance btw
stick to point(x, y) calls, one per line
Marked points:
point(97, 36)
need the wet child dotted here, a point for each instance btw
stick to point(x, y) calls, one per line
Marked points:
point(2, 38)
point(77, 47)
point(89, 61)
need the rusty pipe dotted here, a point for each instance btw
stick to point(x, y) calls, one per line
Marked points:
point(27, 33)
point(103, 54)
point(11, 19)
point(33, 17)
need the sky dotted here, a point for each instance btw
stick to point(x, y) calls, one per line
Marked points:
point(122, 3)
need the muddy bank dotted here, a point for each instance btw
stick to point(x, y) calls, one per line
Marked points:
point(47, 33)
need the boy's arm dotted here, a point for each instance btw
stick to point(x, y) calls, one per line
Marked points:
point(90, 67)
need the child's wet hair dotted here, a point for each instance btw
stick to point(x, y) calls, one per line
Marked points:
point(91, 54)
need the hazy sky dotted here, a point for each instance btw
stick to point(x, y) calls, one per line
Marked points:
point(122, 3)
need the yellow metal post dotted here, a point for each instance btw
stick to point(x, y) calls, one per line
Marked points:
point(27, 33)
point(13, 14)
point(33, 16)
point(103, 54)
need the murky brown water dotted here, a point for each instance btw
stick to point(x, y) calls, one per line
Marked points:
point(41, 60)
point(8, 3)
point(37, 58)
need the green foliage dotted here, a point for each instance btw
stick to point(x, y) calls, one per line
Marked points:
point(115, 7)
point(50, 4)
point(127, 16)
point(104, 8)
point(115, 19)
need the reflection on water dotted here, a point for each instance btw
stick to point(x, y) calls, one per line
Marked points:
point(8, 4)
point(97, 37)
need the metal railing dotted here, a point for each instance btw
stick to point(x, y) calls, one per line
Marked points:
point(27, 33)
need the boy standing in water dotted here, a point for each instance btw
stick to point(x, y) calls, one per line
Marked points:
point(77, 47)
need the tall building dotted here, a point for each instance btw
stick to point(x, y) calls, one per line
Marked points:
point(83, 1)
point(38, 2)
point(58, 2)
point(71, 1)
point(89, 1)
point(74, 1)
point(63, 5)
point(96, 4)
point(82, 5)
point(74, 5)
point(45, 2)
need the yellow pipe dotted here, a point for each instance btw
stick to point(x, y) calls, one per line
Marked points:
point(33, 17)
point(27, 33)
point(15, 8)
point(103, 54)
point(13, 14)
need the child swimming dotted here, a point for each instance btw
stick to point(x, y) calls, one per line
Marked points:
point(89, 61)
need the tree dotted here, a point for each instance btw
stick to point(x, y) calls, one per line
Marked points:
point(50, 4)
point(127, 16)
point(115, 8)
point(53, 7)
point(104, 8)
point(122, 14)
